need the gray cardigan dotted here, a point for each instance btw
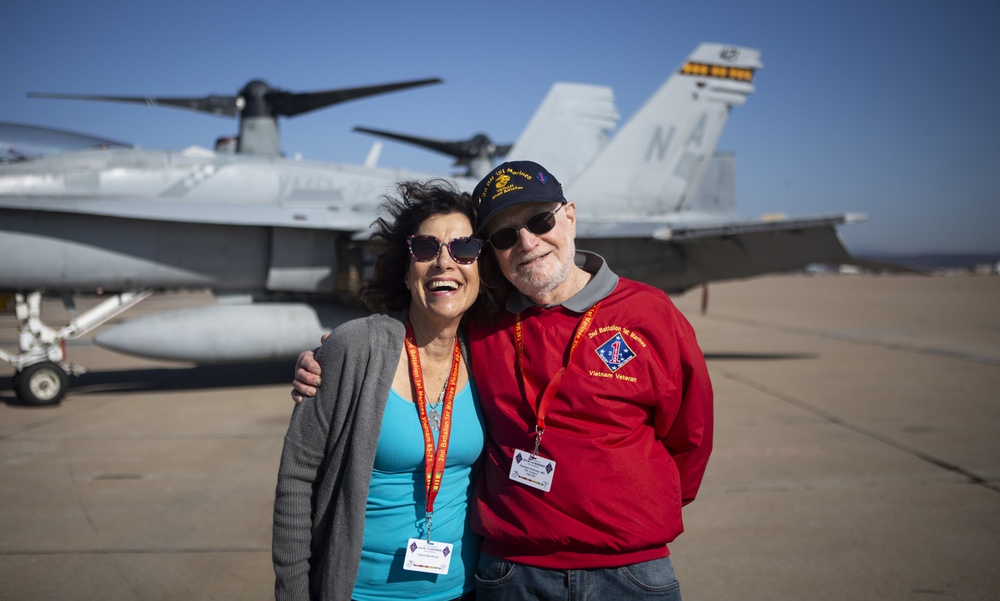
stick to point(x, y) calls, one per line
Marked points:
point(327, 461)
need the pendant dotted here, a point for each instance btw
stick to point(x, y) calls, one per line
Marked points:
point(435, 418)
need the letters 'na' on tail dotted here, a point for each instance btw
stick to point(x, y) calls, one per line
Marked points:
point(656, 163)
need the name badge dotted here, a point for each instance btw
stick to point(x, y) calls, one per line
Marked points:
point(532, 470)
point(427, 556)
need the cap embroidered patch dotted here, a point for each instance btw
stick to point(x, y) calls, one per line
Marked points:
point(510, 184)
point(615, 353)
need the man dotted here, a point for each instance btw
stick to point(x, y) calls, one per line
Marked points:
point(598, 409)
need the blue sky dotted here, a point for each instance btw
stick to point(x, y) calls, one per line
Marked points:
point(885, 108)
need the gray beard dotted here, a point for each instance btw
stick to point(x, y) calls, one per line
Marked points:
point(529, 287)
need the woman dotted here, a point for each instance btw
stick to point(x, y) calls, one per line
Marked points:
point(370, 504)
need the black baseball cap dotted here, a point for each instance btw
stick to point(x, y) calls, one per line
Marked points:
point(512, 183)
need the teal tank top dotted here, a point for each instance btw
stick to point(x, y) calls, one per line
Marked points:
point(397, 498)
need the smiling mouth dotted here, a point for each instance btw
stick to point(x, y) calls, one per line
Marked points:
point(443, 286)
point(529, 261)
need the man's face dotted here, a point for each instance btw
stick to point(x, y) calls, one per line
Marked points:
point(537, 264)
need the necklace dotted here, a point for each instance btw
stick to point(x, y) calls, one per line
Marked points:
point(432, 410)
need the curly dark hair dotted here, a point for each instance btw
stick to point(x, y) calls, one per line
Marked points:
point(403, 213)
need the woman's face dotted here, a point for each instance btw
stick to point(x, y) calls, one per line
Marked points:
point(442, 289)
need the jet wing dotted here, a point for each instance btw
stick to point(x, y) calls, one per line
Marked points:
point(677, 257)
point(302, 215)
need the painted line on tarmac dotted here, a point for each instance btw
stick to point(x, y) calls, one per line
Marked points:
point(973, 477)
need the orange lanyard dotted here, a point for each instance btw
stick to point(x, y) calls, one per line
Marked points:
point(434, 462)
point(552, 388)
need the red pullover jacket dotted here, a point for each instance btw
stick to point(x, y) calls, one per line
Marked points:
point(630, 429)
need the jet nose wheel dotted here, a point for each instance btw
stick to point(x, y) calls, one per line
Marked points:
point(41, 384)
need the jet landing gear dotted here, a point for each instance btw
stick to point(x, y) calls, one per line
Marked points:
point(42, 373)
point(43, 383)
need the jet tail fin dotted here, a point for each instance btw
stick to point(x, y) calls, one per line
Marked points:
point(717, 192)
point(657, 162)
point(568, 129)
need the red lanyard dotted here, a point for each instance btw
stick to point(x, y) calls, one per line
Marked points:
point(552, 388)
point(433, 461)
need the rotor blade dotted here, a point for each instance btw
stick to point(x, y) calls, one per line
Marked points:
point(462, 150)
point(216, 105)
point(290, 104)
point(441, 146)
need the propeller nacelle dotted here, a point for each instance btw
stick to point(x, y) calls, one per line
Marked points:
point(252, 100)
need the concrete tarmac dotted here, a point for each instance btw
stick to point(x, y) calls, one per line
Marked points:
point(857, 455)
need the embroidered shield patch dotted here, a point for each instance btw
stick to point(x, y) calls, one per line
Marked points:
point(615, 353)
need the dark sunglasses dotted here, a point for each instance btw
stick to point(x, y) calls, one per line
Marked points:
point(537, 224)
point(425, 248)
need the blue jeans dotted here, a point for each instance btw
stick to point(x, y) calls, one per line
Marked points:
point(500, 580)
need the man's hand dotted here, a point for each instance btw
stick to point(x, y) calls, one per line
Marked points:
point(307, 376)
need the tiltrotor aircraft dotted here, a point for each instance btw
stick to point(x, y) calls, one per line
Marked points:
point(280, 241)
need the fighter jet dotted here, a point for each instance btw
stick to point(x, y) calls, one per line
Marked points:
point(280, 242)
